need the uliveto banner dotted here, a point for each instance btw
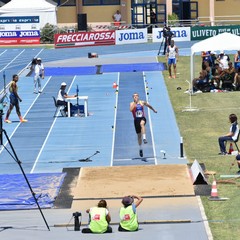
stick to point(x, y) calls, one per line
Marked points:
point(82, 39)
point(200, 33)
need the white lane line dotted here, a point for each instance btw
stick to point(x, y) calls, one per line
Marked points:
point(15, 129)
point(46, 139)
point(133, 159)
point(114, 123)
point(150, 120)
point(12, 60)
point(204, 217)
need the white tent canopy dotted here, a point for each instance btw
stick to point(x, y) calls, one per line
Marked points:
point(223, 41)
point(45, 10)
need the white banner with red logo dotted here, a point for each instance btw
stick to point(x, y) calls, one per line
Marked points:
point(83, 39)
point(19, 30)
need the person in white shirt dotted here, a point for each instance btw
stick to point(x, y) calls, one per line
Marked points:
point(223, 60)
point(172, 58)
point(39, 74)
point(117, 17)
point(62, 95)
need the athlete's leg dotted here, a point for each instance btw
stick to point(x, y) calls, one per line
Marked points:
point(143, 130)
point(175, 69)
point(9, 111)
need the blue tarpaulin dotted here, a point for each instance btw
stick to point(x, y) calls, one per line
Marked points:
point(15, 193)
point(138, 67)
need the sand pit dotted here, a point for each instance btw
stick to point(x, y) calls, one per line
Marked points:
point(146, 181)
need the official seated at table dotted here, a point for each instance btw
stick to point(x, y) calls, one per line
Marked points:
point(62, 95)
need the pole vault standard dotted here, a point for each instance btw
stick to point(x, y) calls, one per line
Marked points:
point(15, 158)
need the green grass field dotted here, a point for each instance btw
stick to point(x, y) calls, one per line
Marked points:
point(200, 131)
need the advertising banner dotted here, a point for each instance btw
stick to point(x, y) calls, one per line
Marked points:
point(19, 30)
point(200, 33)
point(83, 39)
point(131, 36)
point(19, 37)
point(180, 34)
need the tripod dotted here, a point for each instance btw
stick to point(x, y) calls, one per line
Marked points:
point(15, 157)
point(78, 110)
point(161, 45)
point(5, 99)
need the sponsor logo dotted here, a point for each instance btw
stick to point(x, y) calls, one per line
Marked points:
point(126, 36)
point(177, 34)
point(19, 34)
point(85, 37)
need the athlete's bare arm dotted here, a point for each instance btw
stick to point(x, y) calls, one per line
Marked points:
point(149, 106)
point(132, 106)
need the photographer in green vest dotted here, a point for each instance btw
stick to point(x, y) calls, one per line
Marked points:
point(128, 214)
point(99, 218)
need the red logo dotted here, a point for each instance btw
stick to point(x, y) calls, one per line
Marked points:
point(126, 217)
point(96, 217)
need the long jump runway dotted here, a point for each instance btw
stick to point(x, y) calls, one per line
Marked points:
point(126, 150)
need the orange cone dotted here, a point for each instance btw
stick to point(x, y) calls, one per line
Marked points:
point(115, 85)
point(230, 149)
point(214, 193)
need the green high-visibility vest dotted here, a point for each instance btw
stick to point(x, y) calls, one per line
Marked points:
point(98, 223)
point(128, 218)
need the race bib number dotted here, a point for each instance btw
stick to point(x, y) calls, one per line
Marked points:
point(139, 114)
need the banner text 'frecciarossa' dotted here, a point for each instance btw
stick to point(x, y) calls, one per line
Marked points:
point(85, 37)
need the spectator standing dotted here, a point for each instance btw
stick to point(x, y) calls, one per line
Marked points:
point(39, 74)
point(117, 17)
point(153, 17)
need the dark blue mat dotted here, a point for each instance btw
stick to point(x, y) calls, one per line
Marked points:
point(88, 70)
point(15, 193)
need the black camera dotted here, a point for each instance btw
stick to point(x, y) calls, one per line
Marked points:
point(77, 223)
point(167, 33)
point(77, 214)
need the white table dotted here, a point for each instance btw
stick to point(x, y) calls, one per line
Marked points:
point(84, 98)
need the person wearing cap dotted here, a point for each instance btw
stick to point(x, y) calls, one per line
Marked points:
point(99, 219)
point(14, 100)
point(62, 95)
point(128, 214)
point(39, 74)
point(137, 109)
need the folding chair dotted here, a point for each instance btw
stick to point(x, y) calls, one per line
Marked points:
point(58, 107)
point(235, 142)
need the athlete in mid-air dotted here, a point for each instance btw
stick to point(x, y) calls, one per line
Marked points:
point(137, 109)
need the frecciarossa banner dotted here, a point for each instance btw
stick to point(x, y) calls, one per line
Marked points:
point(19, 37)
point(83, 39)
